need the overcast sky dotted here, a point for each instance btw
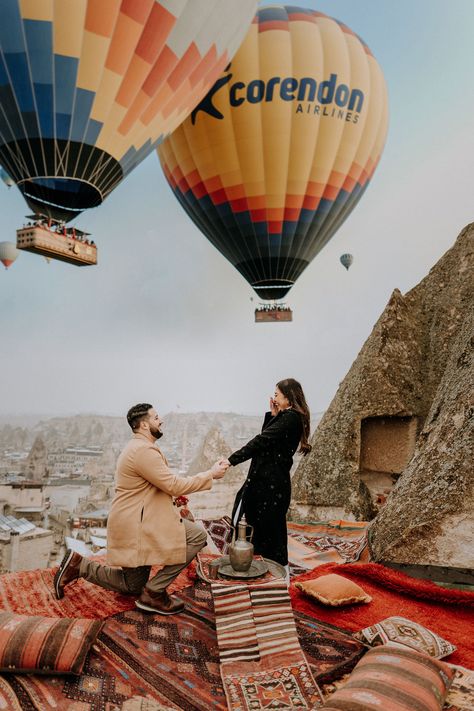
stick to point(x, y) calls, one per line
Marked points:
point(164, 318)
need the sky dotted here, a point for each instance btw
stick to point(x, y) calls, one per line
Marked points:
point(164, 318)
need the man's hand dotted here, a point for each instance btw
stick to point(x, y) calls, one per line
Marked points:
point(219, 468)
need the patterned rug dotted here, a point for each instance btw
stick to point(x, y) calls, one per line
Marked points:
point(262, 663)
point(31, 592)
point(322, 542)
point(220, 531)
point(448, 613)
point(461, 692)
point(143, 662)
point(308, 544)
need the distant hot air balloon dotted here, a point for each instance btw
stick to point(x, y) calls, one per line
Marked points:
point(6, 178)
point(346, 260)
point(8, 253)
point(279, 152)
point(88, 88)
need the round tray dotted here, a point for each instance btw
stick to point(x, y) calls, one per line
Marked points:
point(257, 568)
point(277, 570)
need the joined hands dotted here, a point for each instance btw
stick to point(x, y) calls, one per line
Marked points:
point(219, 468)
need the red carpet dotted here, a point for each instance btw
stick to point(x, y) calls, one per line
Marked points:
point(449, 613)
point(31, 592)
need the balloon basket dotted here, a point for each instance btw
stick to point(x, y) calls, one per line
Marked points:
point(272, 313)
point(54, 240)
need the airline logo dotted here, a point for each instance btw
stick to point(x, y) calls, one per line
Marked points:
point(310, 96)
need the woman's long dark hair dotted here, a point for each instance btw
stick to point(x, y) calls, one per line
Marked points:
point(293, 392)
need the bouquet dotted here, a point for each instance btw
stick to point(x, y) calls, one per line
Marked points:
point(184, 512)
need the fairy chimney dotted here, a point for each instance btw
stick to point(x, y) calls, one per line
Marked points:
point(217, 502)
point(374, 434)
point(36, 463)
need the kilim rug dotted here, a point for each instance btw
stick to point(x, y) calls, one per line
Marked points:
point(143, 662)
point(449, 613)
point(220, 531)
point(308, 544)
point(461, 692)
point(322, 542)
point(262, 663)
point(31, 592)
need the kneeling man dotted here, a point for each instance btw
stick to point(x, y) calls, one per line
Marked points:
point(144, 527)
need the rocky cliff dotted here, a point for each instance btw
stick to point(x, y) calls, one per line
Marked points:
point(375, 434)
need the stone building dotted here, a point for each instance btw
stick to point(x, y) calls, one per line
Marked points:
point(403, 417)
point(24, 499)
point(23, 546)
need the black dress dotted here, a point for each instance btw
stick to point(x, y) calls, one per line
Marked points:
point(266, 492)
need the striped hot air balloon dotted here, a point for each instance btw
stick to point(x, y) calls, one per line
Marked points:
point(279, 152)
point(346, 260)
point(89, 87)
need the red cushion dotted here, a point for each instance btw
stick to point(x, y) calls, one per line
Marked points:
point(48, 645)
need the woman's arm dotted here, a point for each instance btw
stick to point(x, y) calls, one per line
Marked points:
point(273, 433)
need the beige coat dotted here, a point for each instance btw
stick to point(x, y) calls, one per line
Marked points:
point(144, 527)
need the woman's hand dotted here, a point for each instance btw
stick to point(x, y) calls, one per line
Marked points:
point(274, 409)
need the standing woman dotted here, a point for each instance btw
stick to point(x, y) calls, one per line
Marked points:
point(265, 496)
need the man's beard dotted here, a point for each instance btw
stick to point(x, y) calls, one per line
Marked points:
point(156, 433)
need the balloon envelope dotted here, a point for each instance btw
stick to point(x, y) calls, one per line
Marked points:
point(8, 253)
point(279, 152)
point(346, 260)
point(88, 88)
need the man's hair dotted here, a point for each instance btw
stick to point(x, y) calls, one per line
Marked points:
point(137, 413)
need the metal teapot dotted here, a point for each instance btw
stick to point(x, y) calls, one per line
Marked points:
point(241, 549)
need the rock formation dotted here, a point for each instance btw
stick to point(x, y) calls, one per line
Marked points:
point(36, 463)
point(217, 502)
point(403, 413)
point(429, 517)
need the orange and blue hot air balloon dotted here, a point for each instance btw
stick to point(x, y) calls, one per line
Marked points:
point(279, 152)
point(88, 88)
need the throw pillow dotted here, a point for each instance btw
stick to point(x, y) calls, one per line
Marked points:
point(400, 631)
point(333, 590)
point(394, 679)
point(48, 645)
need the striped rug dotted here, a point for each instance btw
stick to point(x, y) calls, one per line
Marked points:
point(262, 663)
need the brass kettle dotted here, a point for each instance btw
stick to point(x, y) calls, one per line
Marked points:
point(241, 549)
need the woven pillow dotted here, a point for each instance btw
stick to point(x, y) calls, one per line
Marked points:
point(333, 590)
point(45, 645)
point(394, 679)
point(400, 631)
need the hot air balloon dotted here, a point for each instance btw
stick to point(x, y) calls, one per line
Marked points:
point(6, 178)
point(88, 88)
point(279, 152)
point(346, 260)
point(8, 253)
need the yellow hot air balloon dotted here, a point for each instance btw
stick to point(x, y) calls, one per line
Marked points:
point(279, 152)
